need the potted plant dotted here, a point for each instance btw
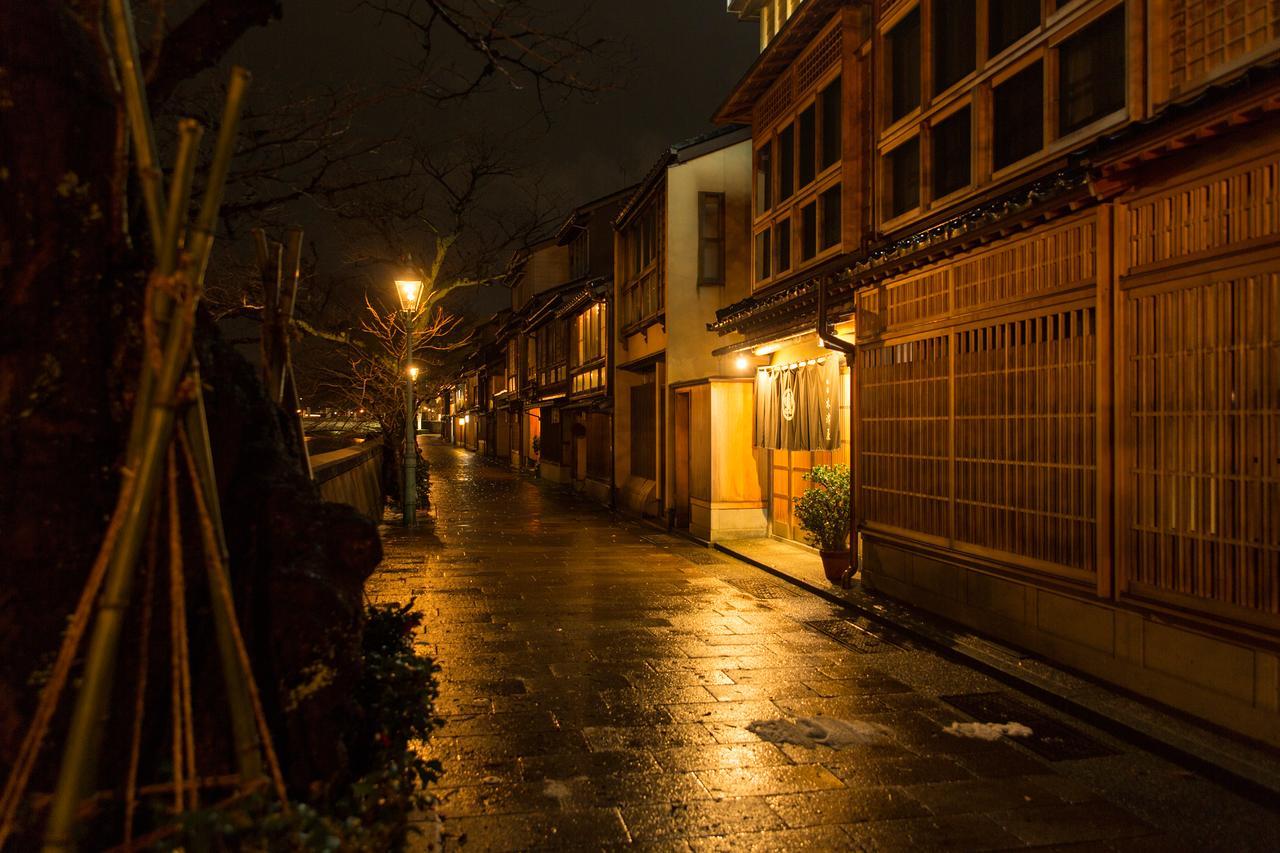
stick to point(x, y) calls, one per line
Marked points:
point(823, 511)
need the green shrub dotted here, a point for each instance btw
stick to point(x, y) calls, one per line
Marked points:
point(823, 509)
point(397, 693)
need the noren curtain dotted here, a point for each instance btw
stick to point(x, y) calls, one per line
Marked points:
point(798, 408)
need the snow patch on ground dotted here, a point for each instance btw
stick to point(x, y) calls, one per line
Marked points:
point(812, 731)
point(557, 790)
point(988, 731)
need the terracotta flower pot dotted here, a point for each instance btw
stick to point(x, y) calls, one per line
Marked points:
point(835, 564)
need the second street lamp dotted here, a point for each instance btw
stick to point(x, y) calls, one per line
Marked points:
point(410, 292)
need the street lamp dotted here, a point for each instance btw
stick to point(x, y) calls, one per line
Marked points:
point(410, 292)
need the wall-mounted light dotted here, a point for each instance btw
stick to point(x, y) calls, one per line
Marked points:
point(741, 362)
point(767, 349)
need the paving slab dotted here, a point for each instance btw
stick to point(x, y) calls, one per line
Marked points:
point(600, 680)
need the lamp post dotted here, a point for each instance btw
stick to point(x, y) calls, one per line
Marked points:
point(410, 292)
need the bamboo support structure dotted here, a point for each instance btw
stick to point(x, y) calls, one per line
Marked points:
point(143, 462)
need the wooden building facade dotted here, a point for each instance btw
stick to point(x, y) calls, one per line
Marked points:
point(1060, 256)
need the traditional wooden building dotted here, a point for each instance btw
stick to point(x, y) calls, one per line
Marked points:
point(542, 368)
point(683, 252)
point(1061, 252)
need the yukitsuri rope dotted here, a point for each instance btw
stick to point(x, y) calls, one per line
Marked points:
point(184, 751)
point(213, 564)
point(140, 693)
point(20, 774)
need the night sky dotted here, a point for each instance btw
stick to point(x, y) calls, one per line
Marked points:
point(682, 57)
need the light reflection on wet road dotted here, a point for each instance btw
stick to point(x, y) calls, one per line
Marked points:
point(599, 678)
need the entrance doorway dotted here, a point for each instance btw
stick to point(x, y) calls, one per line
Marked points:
point(683, 508)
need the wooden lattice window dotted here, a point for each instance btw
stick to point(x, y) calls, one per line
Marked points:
point(903, 403)
point(1025, 432)
point(1202, 404)
point(1207, 35)
point(777, 102)
point(823, 56)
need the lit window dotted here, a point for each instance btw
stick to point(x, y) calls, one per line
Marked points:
point(711, 238)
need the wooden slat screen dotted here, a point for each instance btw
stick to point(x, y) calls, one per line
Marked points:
point(1203, 413)
point(1049, 261)
point(1055, 260)
point(1240, 206)
point(1205, 36)
point(904, 410)
point(1026, 461)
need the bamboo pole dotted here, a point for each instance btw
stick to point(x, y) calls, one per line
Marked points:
point(135, 99)
point(92, 702)
point(189, 135)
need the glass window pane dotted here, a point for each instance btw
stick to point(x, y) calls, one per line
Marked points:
point(1008, 21)
point(808, 231)
point(954, 41)
point(904, 65)
point(1019, 116)
point(764, 178)
point(830, 217)
point(904, 177)
point(786, 162)
point(783, 239)
point(763, 255)
point(1091, 73)
point(951, 153)
point(832, 121)
point(807, 165)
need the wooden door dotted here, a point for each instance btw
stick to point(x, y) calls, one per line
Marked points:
point(683, 508)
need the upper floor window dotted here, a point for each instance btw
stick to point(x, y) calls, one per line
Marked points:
point(904, 177)
point(954, 42)
point(642, 241)
point(952, 153)
point(764, 178)
point(1018, 115)
point(831, 100)
point(641, 292)
point(1008, 21)
point(580, 254)
point(551, 353)
point(904, 65)
point(589, 335)
point(1091, 78)
point(807, 163)
point(711, 240)
point(786, 163)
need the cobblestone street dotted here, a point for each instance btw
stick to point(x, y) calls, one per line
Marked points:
point(599, 678)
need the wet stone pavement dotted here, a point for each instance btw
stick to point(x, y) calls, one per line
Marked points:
point(599, 678)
